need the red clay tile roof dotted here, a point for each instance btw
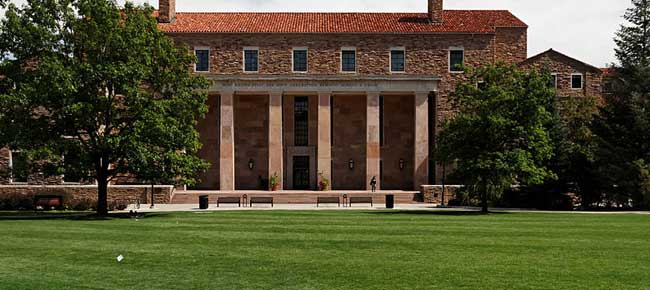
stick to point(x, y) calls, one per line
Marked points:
point(455, 21)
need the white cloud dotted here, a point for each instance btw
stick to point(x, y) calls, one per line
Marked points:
point(583, 29)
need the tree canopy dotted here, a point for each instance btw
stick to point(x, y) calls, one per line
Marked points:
point(624, 122)
point(499, 135)
point(90, 77)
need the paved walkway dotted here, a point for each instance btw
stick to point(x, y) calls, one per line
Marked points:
point(402, 207)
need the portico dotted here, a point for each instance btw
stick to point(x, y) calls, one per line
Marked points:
point(304, 128)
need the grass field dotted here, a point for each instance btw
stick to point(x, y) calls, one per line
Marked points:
point(327, 250)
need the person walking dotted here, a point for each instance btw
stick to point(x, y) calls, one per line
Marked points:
point(373, 183)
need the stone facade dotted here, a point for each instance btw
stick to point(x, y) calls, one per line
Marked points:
point(349, 142)
point(209, 137)
point(251, 141)
point(248, 132)
point(72, 194)
point(434, 194)
point(564, 67)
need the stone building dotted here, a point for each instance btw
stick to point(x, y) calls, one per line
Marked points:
point(340, 96)
point(571, 77)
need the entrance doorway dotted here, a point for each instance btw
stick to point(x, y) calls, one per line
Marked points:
point(301, 173)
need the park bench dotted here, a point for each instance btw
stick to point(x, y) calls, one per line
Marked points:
point(263, 200)
point(325, 200)
point(48, 201)
point(229, 200)
point(361, 199)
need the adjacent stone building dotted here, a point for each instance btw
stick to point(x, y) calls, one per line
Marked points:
point(341, 96)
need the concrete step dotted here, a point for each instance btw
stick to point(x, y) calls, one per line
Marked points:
point(292, 198)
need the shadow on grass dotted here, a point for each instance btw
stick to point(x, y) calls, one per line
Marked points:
point(80, 216)
point(437, 212)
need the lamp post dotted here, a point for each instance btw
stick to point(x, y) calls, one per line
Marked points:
point(251, 164)
point(351, 164)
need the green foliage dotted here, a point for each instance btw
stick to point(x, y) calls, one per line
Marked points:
point(102, 81)
point(633, 38)
point(624, 122)
point(274, 180)
point(499, 136)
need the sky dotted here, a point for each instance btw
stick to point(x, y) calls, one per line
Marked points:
point(583, 29)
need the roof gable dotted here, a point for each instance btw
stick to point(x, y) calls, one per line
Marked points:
point(553, 54)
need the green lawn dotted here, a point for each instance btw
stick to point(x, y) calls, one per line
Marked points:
point(327, 250)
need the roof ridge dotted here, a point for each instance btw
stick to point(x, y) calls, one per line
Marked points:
point(340, 12)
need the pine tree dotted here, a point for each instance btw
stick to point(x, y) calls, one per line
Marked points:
point(633, 40)
point(624, 121)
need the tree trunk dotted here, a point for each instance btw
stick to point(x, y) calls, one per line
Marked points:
point(484, 199)
point(102, 197)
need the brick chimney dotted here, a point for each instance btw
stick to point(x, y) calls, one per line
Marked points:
point(166, 11)
point(435, 11)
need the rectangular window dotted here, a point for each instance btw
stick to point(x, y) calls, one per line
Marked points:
point(553, 83)
point(301, 121)
point(202, 59)
point(381, 120)
point(332, 121)
point(348, 60)
point(576, 81)
point(456, 59)
point(19, 166)
point(251, 59)
point(300, 60)
point(397, 60)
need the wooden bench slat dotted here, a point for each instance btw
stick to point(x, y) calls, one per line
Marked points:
point(361, 199)
point(325, 199)
point(259, 199)
point(229, 199)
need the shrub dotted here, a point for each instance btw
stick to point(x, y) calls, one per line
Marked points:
point(16, 201)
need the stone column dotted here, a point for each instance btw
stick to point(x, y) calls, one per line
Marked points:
point(227, 147)
point(276, 155)
point(421, 151)
point(372, 139)
point(324, 149)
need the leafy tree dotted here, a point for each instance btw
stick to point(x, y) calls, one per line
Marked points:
point(624, 122)
point(574, 150)
point(499, 136)
point(89, 76)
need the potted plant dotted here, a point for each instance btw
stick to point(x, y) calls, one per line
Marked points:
point(323, 183)
point(274, 182)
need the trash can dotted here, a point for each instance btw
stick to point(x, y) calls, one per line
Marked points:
point(390, 201)
point(203, 202)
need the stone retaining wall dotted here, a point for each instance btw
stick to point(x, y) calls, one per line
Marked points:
point(75, 193)
point(433, 193)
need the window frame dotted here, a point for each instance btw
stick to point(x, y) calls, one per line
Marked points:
point(250, 48)
point(11, 169)
point(202, 48)
point(293, 59)
point(304, 99)
point(390, 64)
point(582, 81)
point(449, 66)
point(356, 64)
point(557, 79)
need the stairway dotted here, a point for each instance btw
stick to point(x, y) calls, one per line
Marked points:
point(295, 197)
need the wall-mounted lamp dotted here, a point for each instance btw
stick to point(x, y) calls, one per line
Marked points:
point(401, 164)
point(251, 164)
point(351, 164)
